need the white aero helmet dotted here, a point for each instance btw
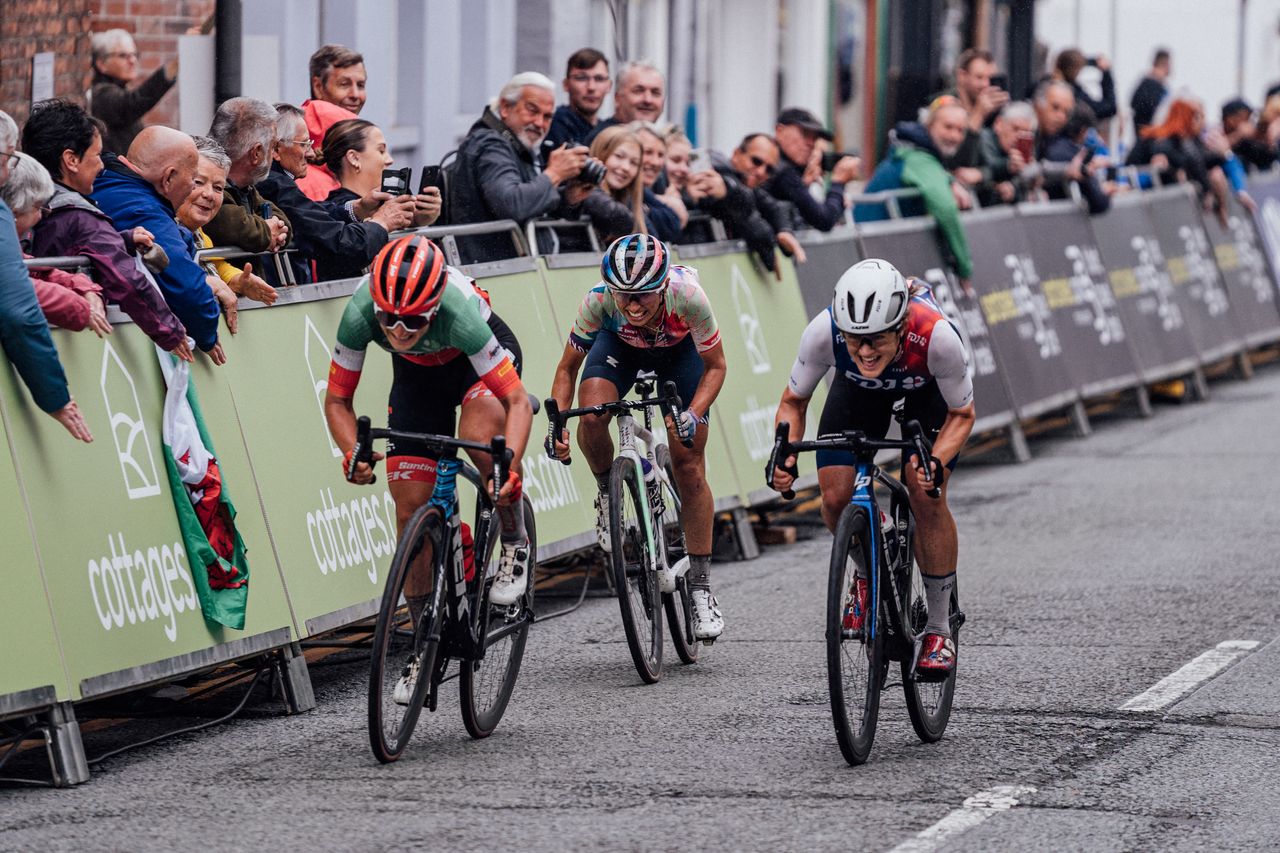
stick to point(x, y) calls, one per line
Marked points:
point(870, 297)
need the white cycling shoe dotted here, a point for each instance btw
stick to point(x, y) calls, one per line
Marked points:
point(708, 623)
point(603, 537)
point(403, 692)
point(513, 575)
point(667, 574)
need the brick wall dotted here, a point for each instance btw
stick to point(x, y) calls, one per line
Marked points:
point(28, 27)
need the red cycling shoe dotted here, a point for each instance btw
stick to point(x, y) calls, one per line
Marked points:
point(855, 608)
point(937, 657)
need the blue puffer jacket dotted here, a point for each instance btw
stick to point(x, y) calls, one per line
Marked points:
point(130, 201)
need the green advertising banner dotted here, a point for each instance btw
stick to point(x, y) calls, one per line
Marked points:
point(333, 540)
point(759, 354)
point(32, 675)
point(119, 579)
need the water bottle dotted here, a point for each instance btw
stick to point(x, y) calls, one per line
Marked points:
point(889, 530)
point(652, 485)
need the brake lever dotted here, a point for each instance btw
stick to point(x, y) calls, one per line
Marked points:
point(362, 451)
point(781, 449)
point(554, 427)
point(500, 457)
point(931, 464)
point(674, 405)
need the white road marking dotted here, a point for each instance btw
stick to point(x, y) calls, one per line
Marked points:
point(975, 810)
point(1177, 684)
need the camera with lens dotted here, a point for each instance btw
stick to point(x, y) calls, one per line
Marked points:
point(592, 171)
point(830, 158)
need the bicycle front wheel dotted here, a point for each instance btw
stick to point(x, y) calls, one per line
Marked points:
point(632, 561)
point(855, 659)
point(928, 702)
point(486, 684)
point(676, 604)
point(398, 645)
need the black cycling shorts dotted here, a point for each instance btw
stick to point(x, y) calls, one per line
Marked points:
point(619, 362)
point(425, 398)
point(850, 406)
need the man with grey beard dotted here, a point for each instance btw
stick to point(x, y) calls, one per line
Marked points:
point(915, 160)
point(246, 130)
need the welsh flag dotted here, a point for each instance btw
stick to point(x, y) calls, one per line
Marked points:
point(206, 516)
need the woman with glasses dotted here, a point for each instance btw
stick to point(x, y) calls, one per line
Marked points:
point(449, 351)
point(115, 66)
point(646, 314)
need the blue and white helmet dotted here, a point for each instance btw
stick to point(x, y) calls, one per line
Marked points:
point(636, 263)
point(870, 297)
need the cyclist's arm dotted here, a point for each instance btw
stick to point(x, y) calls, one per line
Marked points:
point(791, 409)
point(354, 335)
point(713, 373)
point(566, 379)
point(954, 433)
point(519, 421)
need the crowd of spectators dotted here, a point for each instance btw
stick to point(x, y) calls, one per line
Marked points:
point(143, 203)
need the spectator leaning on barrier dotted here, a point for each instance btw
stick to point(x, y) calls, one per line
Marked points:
point(356, 151)
point(915, 160)
point(640, 95)
point(144, 189)
point(752, 163)
point(1243, 134)
point(665, 212)
point(246, 130)
point(24, 334)
point(64, 139)
point(69, 300)
point(587, 81)
point(115, 66)
point(326, 231)
point(338, 77)
point(797, 133)
point(228, 281)
point(1067, 69)
point(498, 173)
point(616, 206)
point(1067, 158)
point(1009, 169)
point(1150, 92)
point(1053, 102)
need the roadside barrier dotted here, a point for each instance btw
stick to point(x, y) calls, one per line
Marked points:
point(100, 596)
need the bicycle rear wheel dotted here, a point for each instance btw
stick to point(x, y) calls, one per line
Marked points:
point(928, 702)
point(632, 563)
point(486, 685)
point(855, 660)
point(676, 604)
point(396, 641)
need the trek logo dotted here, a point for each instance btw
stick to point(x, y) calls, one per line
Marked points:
point(749, 323)
point(128, 430)
point(317, 354)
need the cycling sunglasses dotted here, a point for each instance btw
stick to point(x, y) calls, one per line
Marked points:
point(625, 298)
point(408, 322)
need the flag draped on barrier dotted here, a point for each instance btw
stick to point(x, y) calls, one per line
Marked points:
point(206, 515)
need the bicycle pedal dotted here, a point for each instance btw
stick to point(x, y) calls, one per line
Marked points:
point(709, 641)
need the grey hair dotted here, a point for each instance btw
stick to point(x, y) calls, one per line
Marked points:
point(642, 126)
point(287, 118)
point(1042, 91)
point(241, 123)
point(106, 41)
point(29, 185)
point(210, 150)
point(1020, 111)
point(638, 65)
point(8, 131)
point(510, 93)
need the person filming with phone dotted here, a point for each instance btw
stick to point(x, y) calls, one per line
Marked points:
point(1009, 167)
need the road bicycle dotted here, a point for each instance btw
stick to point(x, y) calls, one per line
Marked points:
point(644, 519)
point(458, 622)
point(877, 545)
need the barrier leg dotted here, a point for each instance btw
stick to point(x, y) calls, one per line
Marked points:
point(295, 681)
point(66, 749)
point(1199, 385)
point(1080, 419)
point(1018, 443)
point(1142, 397)
point(1244, 365)
point(735, 539)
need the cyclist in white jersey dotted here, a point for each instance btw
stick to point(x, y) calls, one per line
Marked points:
point(888, 341)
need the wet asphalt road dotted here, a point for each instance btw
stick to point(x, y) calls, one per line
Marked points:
point(1088, 575)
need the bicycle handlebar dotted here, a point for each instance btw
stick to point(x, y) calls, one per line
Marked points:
point(669, 403)
point(496, 448)
point(859, 444)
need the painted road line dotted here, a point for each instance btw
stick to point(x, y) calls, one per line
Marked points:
point(1177, 684)
point(972, 812)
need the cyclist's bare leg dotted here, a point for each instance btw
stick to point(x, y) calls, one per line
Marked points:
point(697, 504)
point(408, 496)
point(482, 418)
point(936, 544)
point(594, 438)
point(836, 485)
